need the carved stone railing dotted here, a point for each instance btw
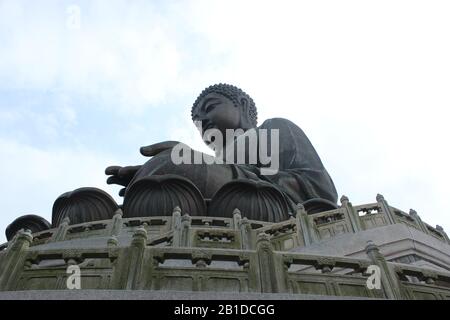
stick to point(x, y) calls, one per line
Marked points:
point(284, 235)
point(240, 233)
point(437, 232)
point(182, 252)
point(349, 218)
point(420, 283)
point(332, 223)
point(403, 217)
point(140, 266)
point(371, 215)
point(337, 276)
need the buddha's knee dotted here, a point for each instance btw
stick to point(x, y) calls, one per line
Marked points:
point(158, 195)
point(256, 200)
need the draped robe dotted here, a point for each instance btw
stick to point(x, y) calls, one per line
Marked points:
point(301, 175)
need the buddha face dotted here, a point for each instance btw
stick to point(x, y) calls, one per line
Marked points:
point(216, 111)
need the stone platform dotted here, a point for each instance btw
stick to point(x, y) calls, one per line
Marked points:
point(310, 256)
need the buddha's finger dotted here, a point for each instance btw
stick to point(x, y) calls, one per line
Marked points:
point(128, 171)
point(112, 170)
point(116, 180)
point(154, 149)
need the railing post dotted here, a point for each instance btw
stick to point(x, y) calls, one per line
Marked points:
point(236, 218)
point(115, 225)
point(136, 252)
point(120, 268)
point(419, 221)
point(351, 214)
point(176, 227)
point(112, 242)
point(389, 279)
point(444, 234)
point(186, 221)
point(14, 260)
point(270, 268)
point(243, 225)
point(61, 232)
point(308, 228)
point(386, 209)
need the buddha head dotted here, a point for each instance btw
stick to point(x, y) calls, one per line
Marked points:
point(222, 107)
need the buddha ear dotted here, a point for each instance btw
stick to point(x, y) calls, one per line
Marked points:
point(246, 111)
point(245, 108)
point(244, 103)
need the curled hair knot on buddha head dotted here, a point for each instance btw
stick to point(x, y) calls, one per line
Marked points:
point(233, 93)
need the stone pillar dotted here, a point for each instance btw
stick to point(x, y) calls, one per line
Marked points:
point(351, 214)
point(116, 224)
point(270, 270)
point(112, 242)
point(186, 221)
point(176, 227)
point(236, 218)
point(441, 230)
point(61, 232)
point(13, 262)
point(136, 251)
point(245, 230)
point(389, 280)
point(120, 269)
point(419, 221)
point(308, 227)
point(386, 209)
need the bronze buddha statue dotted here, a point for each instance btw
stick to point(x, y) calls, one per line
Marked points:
point(300, 178)
point(215, 185)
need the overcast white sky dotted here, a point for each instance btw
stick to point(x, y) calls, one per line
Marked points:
point(368, 82)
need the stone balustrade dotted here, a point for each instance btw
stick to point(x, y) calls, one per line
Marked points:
point(300, 230)
point(181, 252)
point(138, 266)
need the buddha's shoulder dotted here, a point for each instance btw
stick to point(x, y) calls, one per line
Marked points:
point(279, 123)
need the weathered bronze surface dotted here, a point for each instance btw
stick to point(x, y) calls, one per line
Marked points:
point(301, 175)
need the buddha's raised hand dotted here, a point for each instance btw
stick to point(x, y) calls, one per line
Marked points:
point(121, 176)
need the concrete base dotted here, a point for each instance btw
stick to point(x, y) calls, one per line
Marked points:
point(157, 295)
